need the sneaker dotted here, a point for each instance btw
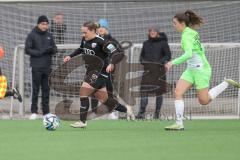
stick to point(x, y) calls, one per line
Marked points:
point(130, 114)
point(174, 127)
point(33, 116)
point(112, 116)
point(156, 116)
point(232, 82)
point(79, 124)
point(17, 95)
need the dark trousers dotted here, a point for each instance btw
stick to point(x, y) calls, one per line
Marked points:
point(144, 102)
point(40, 79)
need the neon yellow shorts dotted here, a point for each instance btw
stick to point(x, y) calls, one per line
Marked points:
point(199, 78)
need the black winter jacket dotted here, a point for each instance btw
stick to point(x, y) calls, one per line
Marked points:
point(155, 50)
point(40, 46)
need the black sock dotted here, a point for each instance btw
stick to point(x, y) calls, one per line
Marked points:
point(84, 109)
point(111, 104)
point(121, 108)
point(94, 103)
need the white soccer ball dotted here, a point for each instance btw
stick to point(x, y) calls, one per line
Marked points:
point(51, 122)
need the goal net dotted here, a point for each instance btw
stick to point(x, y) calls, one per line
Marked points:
point(127, 21)
point(225, 106)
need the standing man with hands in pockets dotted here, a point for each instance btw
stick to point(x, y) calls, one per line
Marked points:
point(40, 46)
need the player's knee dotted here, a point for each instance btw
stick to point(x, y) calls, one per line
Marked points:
point(203, 101)
point(101, 98)
point(178, 94)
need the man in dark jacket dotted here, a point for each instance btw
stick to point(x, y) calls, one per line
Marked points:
point(40, 46)
point(155, 53)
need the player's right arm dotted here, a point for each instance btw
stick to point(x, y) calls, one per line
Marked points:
point(75, 53)
point(187, 45)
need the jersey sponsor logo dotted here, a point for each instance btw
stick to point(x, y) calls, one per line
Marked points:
point(48, 38)
point(94, 45)
point(88, 51)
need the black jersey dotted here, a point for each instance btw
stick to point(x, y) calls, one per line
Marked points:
point(91, 47)
point(98, 47)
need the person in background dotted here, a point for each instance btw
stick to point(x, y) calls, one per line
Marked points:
point(154, 54)
point(40, 46)
point(58, 28)
point(103, 31)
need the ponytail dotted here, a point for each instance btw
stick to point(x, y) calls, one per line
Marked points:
point(194, 20)
point(189, 18)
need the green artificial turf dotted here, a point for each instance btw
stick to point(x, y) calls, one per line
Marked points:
point(120, 140)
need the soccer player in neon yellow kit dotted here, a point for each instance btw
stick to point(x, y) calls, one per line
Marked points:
point(198, 72)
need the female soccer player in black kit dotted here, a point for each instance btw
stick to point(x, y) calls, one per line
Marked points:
point(103, 31)
point(92, 44)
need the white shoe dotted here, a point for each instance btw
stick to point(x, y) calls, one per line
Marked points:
point(33, 116)
point(130, 114)
point(79, 124)
point(112, 116)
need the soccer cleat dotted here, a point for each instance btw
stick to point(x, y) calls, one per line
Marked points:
point(130, 114)
point(79, 124)
point(17, 95)
point(112, 116)
point(174, 127)
point(33, 116)
point(232, 82)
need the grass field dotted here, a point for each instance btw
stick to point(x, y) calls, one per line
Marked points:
point(120, 140)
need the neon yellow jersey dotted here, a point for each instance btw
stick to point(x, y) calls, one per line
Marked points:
point(194, 52)
point(3, 86)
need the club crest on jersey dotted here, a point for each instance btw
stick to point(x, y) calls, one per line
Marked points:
point(94, 45)
point(94, 76)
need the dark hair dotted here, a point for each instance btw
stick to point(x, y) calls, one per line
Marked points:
point(189, 18)
point(91, 25)
point(59, 14)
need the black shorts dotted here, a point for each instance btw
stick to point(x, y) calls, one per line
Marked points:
point(101, 82)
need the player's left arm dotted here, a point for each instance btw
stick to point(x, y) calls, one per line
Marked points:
point(114, 51)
